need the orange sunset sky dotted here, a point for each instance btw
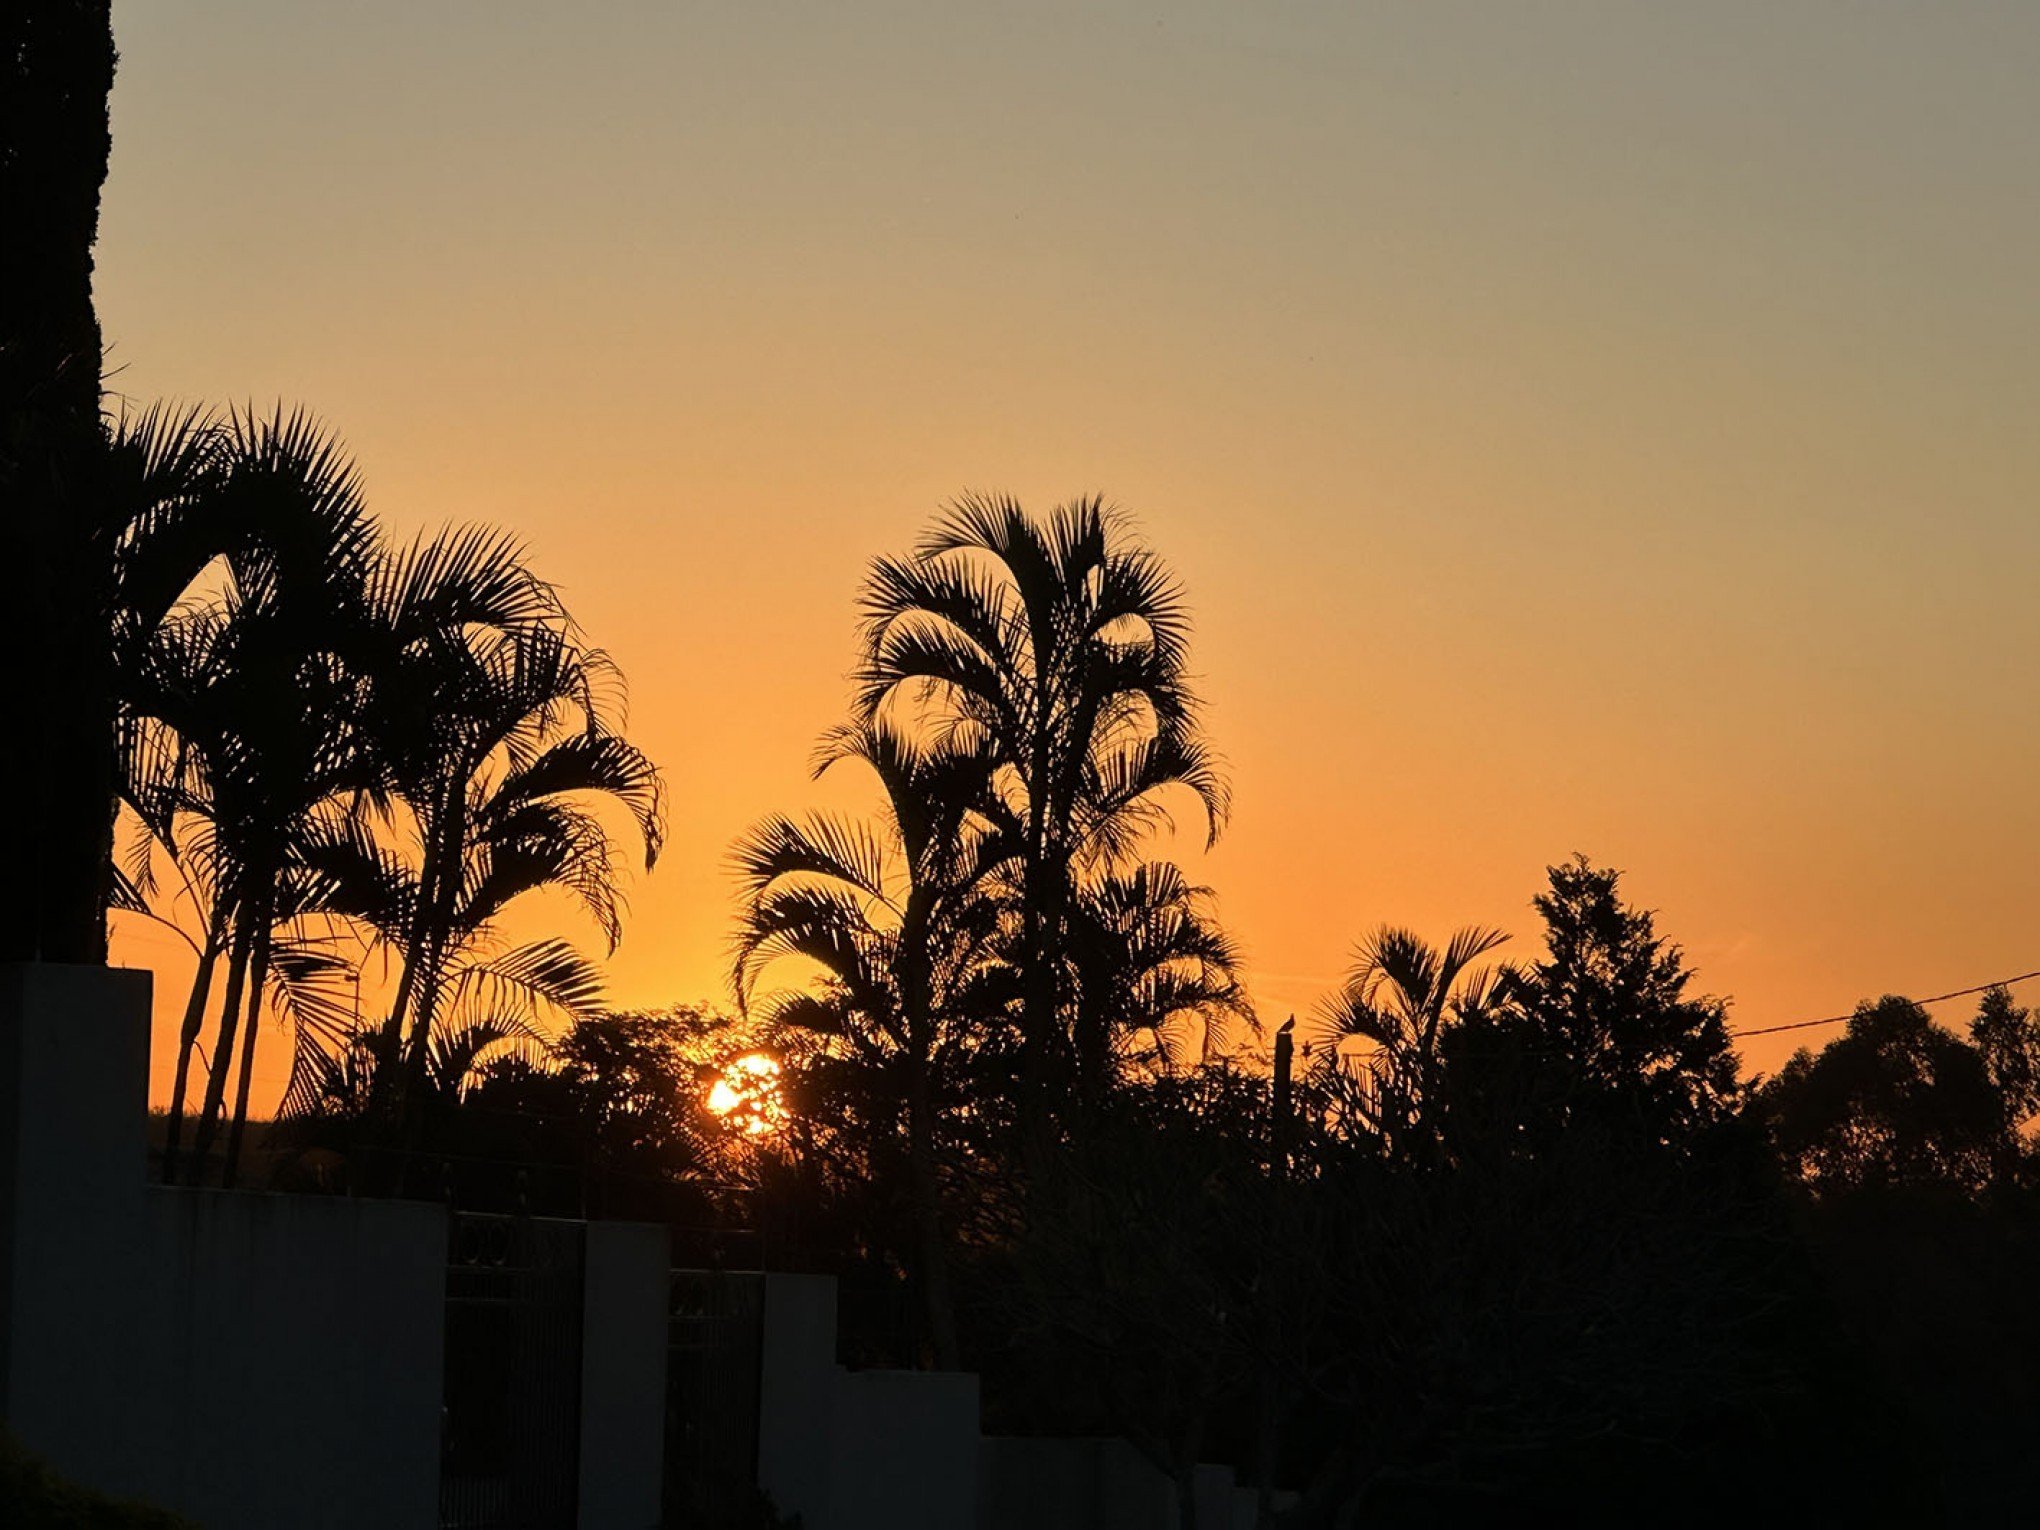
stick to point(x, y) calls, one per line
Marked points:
point(1598, 427)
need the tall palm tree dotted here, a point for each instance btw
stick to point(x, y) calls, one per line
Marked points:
point(1399, 997)
point(1055, 648)
point(496, 733)
point(904, 924)
point(242, 710)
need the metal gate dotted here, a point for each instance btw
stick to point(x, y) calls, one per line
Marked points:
point(714, 1332)
point(510, 1429)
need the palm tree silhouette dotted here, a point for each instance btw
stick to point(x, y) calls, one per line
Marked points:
point(1054, 649)
point(1155, 979)
point(329, 737)
point(240, 709)
point(1399, 997)
point(492, 729)
point(904, 922)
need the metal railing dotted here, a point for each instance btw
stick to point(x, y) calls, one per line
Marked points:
point(510, 1440)
point(714, 1336)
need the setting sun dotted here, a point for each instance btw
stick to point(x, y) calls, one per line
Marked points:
point(747, 1095)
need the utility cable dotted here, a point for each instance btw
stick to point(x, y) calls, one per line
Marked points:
point(1959, 993)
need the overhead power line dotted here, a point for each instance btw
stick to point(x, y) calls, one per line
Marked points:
point(1958, 993)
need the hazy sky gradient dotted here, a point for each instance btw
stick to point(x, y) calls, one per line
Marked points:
point(1599, 427)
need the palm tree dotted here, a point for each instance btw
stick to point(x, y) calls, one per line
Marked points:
point(493, 730)
point(1398, 999)
point(296, 700)
point(1055, 650)
point(242, 712)
point(905, 925)
point(1155, 979)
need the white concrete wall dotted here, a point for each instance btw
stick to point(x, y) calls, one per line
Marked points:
point(1085, 1484)
point(900, 1450)
point(74, 1072)
point(904, 1451)
point(796, 1395)
point(292, 1349)
point(1212, 1487)
point(254, 1361)
point(249, 1360)
point(623, 1377)
point(858, 1450)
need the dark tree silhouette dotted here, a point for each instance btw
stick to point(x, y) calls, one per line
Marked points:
point(495, 733)
point(2008, 1036)
point(905, 924)
point(244, 712)
point(623, 1092)
point(1398, 1001)
point(1139, 1282)
point(1603, 1026)
point(335, 744)
point(1894, 1101)
point(1057, 648)
point(56, 528)
point(1153, 978)
point(1577, 1336)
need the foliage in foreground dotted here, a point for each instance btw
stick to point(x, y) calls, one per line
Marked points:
point(32, 1497)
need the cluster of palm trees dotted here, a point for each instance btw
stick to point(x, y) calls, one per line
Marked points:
point(331, 749)
point(1023, 702)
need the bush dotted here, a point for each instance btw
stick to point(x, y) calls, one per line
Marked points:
point(32, 1497)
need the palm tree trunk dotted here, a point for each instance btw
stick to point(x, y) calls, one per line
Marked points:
point(187, 1040)
point(407, 975)
point(385, 1089)
point(927, 1193)
point(439, 891)
point(435, 938)
point(411, 1060)
point(1038, 994)
point(424, 1008)
point(924, 1183)
point(388, 1088)
point(417, 934)
point(1091, 1040)
point(257, 978)
point(223, 1048)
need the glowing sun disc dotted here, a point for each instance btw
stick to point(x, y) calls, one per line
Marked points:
point(747, 1095)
